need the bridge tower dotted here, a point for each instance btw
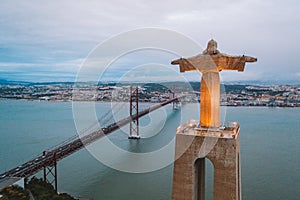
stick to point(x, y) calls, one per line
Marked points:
point(50, 171)
point(134, 109)
point(175, 103)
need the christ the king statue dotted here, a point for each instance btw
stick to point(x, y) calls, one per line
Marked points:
point(210, 63)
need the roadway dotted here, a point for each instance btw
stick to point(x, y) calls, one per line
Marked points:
point(38, 163)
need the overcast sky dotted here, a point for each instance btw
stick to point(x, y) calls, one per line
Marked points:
point(48, 40)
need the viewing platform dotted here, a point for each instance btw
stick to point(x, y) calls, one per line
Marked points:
point(191, 127)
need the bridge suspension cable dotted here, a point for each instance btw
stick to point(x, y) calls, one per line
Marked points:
point(102, 121)
point(67, 148)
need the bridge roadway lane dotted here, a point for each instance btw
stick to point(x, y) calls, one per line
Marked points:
point(33, 166)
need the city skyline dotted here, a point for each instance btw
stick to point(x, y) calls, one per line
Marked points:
point(49, 41)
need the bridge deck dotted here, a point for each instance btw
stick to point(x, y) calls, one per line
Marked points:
point(36, 164)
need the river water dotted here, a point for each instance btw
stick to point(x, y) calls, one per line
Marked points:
point(270, 150)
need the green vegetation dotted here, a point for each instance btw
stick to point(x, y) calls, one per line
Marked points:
point(39, 189)
point(45, 191)
point(14, 193)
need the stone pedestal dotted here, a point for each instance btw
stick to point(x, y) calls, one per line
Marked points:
point(221, 147)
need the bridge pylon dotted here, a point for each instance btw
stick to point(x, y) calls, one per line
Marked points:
point(176, 104)
point(134, 110)
point(50, 171)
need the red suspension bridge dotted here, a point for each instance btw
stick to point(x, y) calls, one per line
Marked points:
point(47, 161)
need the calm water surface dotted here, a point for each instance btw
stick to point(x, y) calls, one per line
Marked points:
point(270, 150)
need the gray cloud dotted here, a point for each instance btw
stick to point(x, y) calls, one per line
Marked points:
point(58, 31)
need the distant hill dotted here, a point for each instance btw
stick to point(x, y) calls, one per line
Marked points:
point(194, 84)
point(3, 81)
point(8, 82)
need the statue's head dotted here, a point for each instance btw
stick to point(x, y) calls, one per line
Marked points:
point(212, 48)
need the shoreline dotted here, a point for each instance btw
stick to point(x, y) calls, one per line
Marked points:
point(86, 101)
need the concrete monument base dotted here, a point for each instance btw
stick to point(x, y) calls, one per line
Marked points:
point(221, 147)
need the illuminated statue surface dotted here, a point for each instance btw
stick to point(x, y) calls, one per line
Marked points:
point(210, 63)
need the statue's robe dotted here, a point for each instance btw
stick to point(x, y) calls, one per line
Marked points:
point(210, 63)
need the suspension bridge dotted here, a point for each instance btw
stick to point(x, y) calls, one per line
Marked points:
point(47, 160)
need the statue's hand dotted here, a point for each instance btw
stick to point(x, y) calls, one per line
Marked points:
point(250, 59)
